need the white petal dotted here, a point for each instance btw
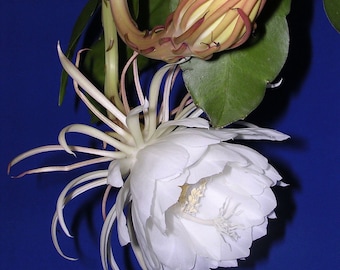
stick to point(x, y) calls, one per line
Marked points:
point(213, 162)
point(260, 230)
point(149, 168)
point(145, 243)
point(257, 133)
point(197, 122)
point(121, 201)
point(166, 194)
point(114, 177)
point(150, 161)
point(267, 200)
point(178, 252)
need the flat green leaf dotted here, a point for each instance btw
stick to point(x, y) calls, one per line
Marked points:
point(233, 84)
point(77, 31)
point(332, 8)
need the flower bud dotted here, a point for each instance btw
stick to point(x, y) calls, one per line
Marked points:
point(196, 28)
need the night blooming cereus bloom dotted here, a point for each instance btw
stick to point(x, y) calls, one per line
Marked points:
point(196, 28)
point(188, 198)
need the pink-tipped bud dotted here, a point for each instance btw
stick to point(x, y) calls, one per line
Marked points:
point(196, 28)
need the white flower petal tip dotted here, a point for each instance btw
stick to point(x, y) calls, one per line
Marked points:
point(253, 132)
point(282, 184)
point(55, 239)
point(272, 215)
point(114, 178)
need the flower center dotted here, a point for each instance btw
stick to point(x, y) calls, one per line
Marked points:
point(190, 201)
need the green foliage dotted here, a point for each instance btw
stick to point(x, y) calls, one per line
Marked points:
point(78, 30)
point(233, 84)
point(94, 62)
point(332, 8)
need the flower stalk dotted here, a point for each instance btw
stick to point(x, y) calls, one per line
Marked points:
point(111, 81)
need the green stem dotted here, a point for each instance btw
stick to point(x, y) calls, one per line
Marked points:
point(111, 83)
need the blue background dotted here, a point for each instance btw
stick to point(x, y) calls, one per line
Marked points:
point(306, 234)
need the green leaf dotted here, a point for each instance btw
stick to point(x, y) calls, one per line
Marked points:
point(173, 4)
point(93, 67)
point(77, 31)
point(332, 8)
point(134, 8)
point(150, 14)
point(232, 85)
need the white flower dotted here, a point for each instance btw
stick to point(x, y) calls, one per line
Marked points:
point(194, 200)
point(198, 202)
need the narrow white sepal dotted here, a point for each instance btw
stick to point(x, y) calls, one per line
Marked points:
point(88, 86)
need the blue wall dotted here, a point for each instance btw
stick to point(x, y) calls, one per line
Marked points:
point(306, 234)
